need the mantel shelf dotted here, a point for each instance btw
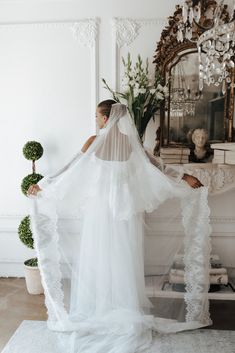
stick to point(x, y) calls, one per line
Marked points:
point(219, 178)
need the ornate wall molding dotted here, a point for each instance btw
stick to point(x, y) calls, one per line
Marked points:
point(169, 234)
point(126, 30)
point(214, 219)
point(10, 222)
point(86, 32)
point(124, 33)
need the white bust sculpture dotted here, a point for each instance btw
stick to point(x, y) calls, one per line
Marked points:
point(200, 138)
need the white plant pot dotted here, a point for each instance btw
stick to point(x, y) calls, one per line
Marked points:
point(33, 280)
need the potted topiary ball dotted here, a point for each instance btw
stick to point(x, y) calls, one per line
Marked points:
point(32, 150)
point(32, 273)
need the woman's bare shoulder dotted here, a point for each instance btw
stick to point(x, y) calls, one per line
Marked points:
point(88, 143)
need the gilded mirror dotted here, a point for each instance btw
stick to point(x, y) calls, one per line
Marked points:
point(186, 108)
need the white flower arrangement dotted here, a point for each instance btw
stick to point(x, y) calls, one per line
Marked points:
point(139, 93)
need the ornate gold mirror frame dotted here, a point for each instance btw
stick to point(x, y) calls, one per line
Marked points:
point(168, 53)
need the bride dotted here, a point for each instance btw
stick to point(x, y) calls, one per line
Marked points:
point(88, 225)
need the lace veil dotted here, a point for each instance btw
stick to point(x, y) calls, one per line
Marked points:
point(88, 227)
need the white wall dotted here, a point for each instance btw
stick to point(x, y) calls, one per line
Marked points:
point(53, 56)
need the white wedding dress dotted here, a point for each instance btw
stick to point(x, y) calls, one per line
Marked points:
point(88, 228)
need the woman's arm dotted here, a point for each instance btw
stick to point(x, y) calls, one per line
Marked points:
point(48, 181)
point(175, 173)
point(192, 180)
point(88, 143)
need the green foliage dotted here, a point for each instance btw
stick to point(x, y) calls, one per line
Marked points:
point(141, 94)
point(33, 150)
point(25, 233)
point(29, 180)
point(31, 262)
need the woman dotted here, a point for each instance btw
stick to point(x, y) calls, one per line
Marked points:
point(102, 116)
point(87, 222)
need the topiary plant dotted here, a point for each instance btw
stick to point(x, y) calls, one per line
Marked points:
point(29, 180)
point(32, 262)
point(33, 150)
point(25, 233)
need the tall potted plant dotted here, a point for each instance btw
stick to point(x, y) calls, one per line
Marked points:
point(140, 93)
point(32, 150)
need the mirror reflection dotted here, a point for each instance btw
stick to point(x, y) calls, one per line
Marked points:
point(188, 108)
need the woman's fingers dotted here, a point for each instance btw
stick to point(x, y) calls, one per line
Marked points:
point(33, 189)
point(197, 183)
point(30, 189)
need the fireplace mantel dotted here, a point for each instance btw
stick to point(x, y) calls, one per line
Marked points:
point(218, 177)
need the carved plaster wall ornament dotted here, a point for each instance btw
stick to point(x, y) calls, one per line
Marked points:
point(125, 31)
point(86, 31)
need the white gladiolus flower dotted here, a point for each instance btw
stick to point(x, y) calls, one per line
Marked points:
point(159, 95)
point(165, 89)
point(160, 87)
point(135, 82)
point(136, 92)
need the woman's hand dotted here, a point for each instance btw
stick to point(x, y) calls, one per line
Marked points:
point(192, 181)
point(33, 190)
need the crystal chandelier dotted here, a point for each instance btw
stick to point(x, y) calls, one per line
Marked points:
point(218, 44)
point(183, 98)
point(216, 39)
point(191, 14)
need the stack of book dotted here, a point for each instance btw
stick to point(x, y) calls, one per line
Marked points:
point(224, 153)
point(218, 274)
point(175, 155)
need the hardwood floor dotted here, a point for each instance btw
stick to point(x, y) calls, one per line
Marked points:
point(17, 305)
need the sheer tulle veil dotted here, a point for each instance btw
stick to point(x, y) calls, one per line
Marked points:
point(88, 228)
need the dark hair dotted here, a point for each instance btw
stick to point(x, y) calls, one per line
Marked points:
point(105, 106)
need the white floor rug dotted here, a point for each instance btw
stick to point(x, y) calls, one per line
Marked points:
point(28, 339)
